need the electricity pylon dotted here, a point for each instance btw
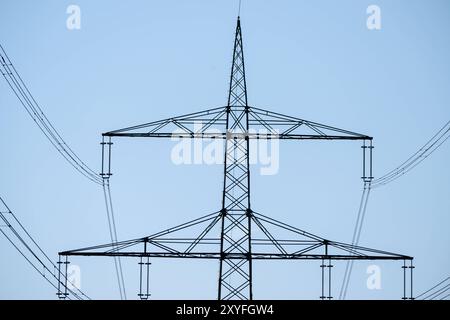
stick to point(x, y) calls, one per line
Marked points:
point(236, 235)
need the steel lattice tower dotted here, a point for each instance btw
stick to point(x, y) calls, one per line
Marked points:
point(236, 212)
point(232, 234)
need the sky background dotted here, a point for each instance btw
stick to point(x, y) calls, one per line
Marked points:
point(138, 61)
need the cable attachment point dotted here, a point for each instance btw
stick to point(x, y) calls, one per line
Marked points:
point(367, 174)
point(106, 158)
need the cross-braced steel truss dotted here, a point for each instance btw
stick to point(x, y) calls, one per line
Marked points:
point(236, 235)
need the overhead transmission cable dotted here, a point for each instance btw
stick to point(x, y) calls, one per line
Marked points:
point(424, 152)
point(27, 100)
point(436, 141)
point(438, 293)
point(114, 240)
point(437, 290)
point(26, 245)
point(355, 238)
point(445, 297)
point(34, 110)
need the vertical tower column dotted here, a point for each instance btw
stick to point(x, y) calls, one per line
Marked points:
point(235, 279)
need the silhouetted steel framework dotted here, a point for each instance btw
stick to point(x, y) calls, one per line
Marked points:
point(236, 235)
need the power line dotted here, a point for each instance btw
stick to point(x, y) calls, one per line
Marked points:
point(436, 141)
point(445, 297)
point(34, 110)
point(36, 257)
point(424, 152)
point(427, 292)
point(437, 293)
point(356, 236)
point(113, 235)
point(437, 285)
point(28, 260)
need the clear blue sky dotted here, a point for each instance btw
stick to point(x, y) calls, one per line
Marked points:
point(137, 61)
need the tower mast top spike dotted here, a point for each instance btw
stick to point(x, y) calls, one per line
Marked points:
point(237, 92)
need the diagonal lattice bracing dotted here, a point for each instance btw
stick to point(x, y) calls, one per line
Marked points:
point(271, 239)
